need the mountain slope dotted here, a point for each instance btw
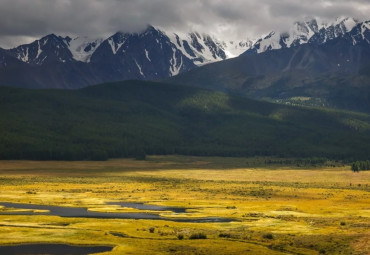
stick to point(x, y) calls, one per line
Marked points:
point(332, 74)
point(130, 118)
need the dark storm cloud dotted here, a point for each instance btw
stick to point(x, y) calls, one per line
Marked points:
point(22, 19)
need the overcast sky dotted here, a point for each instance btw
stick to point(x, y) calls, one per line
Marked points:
point(22, 21)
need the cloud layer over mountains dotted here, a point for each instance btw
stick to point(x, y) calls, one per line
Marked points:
point(21, 21)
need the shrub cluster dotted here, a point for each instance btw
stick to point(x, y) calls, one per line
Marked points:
point(268, 236)
point(198, 236)
point(360, 165)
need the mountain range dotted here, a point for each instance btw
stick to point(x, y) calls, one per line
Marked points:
point(64, 62)
point(329, 67)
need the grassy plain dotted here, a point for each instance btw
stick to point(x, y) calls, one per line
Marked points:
point(277, 209)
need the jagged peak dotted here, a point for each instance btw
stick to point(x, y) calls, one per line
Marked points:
point(269, 35)
point(342, 19)
point(338, 21)
point(150, 28)
point(366, 24)
point(348, 22)
point(43, 40)
point(68, 39)
point(147, 30)
point(51, 37)
point(118, 35)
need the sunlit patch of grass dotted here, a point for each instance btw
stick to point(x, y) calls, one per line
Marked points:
point(303, 209)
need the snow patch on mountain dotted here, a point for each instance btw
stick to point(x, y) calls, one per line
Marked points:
point(115, 47)
point(147, 55)
point(349, 23)
point(24, 57)
point(116, 41)
point(83, 47)
point(39, 50)
point(139, 67)
point(269, 42)
point(174, 66)
point(203, 49)
point(233, 49)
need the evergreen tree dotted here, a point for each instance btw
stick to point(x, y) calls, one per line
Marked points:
point(355, 167)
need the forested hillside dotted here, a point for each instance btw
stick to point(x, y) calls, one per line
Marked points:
point(134, 118)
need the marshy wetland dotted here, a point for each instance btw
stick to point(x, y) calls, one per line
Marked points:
point(185, 205)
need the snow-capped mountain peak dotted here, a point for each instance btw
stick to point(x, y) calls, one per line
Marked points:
point(309, 31)
point(199, 48)
point(48, 48)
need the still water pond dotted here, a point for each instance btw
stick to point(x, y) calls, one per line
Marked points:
point(52, 249)
point(142, 206)
point(81, 212)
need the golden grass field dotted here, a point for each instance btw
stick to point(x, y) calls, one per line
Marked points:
point(277, 210)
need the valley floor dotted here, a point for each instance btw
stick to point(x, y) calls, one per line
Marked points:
point(273, 209)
